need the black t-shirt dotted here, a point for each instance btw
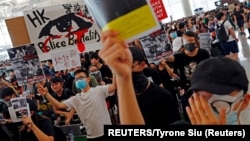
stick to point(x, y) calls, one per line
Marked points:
point(67, 93)
point(185, 65)
point(157, 106)
point(106, 72)
point(149, 72)
point(45, 125)
point(179, 33)
point(238, 14)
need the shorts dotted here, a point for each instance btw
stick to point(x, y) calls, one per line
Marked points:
point(228, 47)
point(240, 23)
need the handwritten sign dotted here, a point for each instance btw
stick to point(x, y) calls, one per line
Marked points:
point(159, 9)
point(66, 59)
point(62, 26)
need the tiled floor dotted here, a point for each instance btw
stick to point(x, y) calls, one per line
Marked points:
point(244, 53)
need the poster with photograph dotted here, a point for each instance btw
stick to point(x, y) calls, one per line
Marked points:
point(97, 75)
point(156, 46)
point(26, 64)
point(60, 27)
point(19, 107)
point(131, 18)
point(67, 59)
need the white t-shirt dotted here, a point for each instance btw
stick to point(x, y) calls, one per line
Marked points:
point(92, 109)
point(227, 26)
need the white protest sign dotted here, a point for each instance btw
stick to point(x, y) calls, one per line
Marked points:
point(66, 59)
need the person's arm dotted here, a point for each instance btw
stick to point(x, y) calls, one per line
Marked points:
point(41, 136)
point(171, 58)
point(59, 112)
point(44, 91)
point(69, 116)
point(117, 56)
point(167, 68)
point(112, 87)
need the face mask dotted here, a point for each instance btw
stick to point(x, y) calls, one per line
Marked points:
point(189, 46)
point(244, 116)
point(173, 35)
point(231, 116)
point(81, 84)
point(72, 74)
point(140, 82)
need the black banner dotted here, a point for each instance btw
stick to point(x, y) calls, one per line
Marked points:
point(173, 132)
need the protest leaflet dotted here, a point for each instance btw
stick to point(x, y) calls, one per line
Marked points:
point(131, 18)
point(97, 75)
point(156, 46)
point(18, 108)
point(26, 64)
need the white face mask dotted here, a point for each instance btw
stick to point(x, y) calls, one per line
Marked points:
point(244, 115)
point(219, 102)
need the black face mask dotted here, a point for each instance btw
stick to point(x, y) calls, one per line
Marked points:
point(189, 46)
point(140, 82)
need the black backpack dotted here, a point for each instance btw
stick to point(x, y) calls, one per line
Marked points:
point(221, 32)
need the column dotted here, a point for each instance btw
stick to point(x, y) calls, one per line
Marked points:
point(186, 8)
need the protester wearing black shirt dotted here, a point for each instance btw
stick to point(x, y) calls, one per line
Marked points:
point(156, 103)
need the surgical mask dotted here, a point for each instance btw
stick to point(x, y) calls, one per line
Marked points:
point(244, 116)
point(189, 46)
point(219, 102)
point(140, 82)
point(173, 35)
point(81, 84)
point(72, 74)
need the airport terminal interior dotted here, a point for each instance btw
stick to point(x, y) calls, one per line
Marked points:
point(176, 10)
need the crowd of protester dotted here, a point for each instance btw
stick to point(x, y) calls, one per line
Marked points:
point(194, 85)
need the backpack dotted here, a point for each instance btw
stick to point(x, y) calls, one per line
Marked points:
point(221, 32)
point(59, 134)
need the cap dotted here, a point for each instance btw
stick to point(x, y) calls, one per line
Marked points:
point(219, 75)
point(137, 54)
point(32, 105)
point(177, 43)
point(219, 16)
point(7, 91)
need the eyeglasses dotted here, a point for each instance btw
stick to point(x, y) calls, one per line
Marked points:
point(218, 103)
point(80, 78)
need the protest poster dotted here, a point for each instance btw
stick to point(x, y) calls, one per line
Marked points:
point(19, 107)
point(159, 9)
point(97, 75)
point(156, 46)
point(131, 18)
point(205, 41)
point(63, 26)
point(66, 59)
point(26, 64)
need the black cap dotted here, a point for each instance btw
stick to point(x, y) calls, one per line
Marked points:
point(137, 54)
point(7, 91)
point(219, 16)
point(219, 75)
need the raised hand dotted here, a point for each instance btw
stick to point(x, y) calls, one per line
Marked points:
point(201, 113)
point(116, 54)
